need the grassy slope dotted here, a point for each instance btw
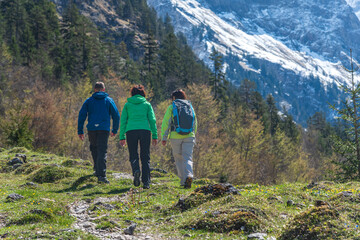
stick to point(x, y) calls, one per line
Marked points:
point(257, 209)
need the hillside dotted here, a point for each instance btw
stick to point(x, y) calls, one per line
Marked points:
point(61, 199)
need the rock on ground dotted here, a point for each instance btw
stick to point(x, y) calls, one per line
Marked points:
point(261, 236)
point(81, 211)
point(14, 197)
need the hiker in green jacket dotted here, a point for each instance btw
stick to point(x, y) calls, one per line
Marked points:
point(138, 123)
point(181, 131)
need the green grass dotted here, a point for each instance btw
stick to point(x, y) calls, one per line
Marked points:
point(44, 210)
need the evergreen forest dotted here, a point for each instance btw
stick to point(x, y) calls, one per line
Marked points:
point(50, 62)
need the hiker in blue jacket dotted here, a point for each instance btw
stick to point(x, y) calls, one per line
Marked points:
point(99, 108)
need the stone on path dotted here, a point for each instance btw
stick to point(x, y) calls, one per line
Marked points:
point(14, 197)
point(22, 156)
point(130, 230)
point(14, 161)
point(261, 236)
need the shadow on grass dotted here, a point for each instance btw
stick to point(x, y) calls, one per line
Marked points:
point(83, 179)
point(119, 191)
point(77, 183)
point(114, 191)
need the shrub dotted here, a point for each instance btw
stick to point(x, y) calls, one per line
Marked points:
point(33, 216)
point(16, 129)
point(27, 168)
point(50, 174)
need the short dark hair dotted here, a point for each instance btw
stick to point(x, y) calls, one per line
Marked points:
point(178, 94)
point(99, 85)
point(138, 89)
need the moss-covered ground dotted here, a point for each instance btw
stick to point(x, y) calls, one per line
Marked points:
point(325, 210)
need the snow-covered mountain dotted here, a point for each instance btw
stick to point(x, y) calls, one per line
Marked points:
point(293, 49)
point(355, 4)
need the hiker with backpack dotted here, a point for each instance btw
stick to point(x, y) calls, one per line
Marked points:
point(138, 125)
point(98, 109)
point(180, 125)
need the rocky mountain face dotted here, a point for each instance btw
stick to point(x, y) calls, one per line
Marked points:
point(294, 50)
point(105, 15)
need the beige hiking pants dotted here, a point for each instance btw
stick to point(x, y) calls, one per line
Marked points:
point(182, 151)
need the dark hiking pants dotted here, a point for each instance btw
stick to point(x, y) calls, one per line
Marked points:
point(98, 147)
point(133, 138)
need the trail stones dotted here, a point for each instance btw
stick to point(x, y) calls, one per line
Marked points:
point(16, 166)
point(346, 194)
point(29, 184)
point(273, 199)
point(122, 176)
point(312, 185)
point(261, 236)
point(15, 161)
point(130, 230)
point(320, 203)
point(107, 206)
point(290, 203)
point(218, 189)
point(22, 156)
point(158, 170)
point(181, 204)
point(87, 225)
point(14, 197)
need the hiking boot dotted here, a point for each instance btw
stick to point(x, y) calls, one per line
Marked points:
point(137, 178)
point(103, 180)
point(146, 186)
point(188, 182)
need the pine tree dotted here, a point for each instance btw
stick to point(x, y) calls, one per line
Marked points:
point(15, 16)
point(128, 10)
point(168, 26)
point(350, 149)
point(218, 82)
point(39, 26)
point(246, 90)
point(289, 127)
point(28, 44)
point(151, 48)
point(15, 50)
point(274, 118)
point(84, 53)
point(123, 50)
point(170, 55)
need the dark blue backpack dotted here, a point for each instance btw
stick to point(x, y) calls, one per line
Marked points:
point(183, 116)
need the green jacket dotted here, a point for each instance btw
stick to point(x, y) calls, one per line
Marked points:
point(166, 127)
point(137, 114)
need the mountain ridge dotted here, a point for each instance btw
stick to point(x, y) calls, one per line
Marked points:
point(257, 48)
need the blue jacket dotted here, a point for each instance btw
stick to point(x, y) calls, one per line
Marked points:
point(98, 108)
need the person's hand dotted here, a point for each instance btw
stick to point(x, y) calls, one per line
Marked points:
point(163, 142)
point(112, 134)
point(122, 143)
point(154, 142)
point(82, 137)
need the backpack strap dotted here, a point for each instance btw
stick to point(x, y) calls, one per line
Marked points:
point(176, 120)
